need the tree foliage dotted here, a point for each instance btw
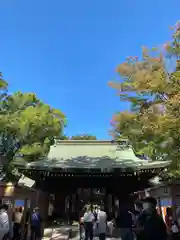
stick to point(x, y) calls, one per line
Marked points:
point(153, 91)
point(27, 126)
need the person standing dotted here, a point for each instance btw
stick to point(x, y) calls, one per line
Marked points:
point(95, 212)
point(4, 222)
point(150, 223)
point(101, 223)
point(138, 207)
point(81, 223)
point(169, 219)
point(50, 212)
point(124, 223)
point(178, 216)
point(17, 218)
point(27, 221)
point(110, 227)
point(88, 223)
point(36, 225)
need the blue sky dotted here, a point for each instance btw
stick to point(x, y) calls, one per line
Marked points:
point(66, 51)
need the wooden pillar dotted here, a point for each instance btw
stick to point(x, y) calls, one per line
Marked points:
point(104, 197)
point(91, 195)
point(70, 208)
point(78, 199)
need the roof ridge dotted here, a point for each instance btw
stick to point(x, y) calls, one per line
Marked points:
point(88, 142)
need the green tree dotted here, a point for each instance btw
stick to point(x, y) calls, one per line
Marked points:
point(153, 91)
point(83, 137)
point(3, 83)
point(27, 128)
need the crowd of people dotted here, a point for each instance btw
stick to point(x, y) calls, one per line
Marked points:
point(142, 222)
point(16, 225)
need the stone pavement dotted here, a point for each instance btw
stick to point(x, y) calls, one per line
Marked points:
point(62, 233)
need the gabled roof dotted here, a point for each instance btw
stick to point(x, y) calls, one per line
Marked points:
point(93, 154)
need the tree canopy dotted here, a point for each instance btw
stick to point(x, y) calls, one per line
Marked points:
point(27, 126)
point(152, 87)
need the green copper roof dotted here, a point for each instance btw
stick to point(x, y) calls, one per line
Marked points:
point(93, 154)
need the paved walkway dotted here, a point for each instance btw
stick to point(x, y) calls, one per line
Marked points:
point(62, 233)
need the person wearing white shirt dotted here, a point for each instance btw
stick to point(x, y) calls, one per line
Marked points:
point(88, 224)
point(4, 222)
point(110, 227)
point(101, 223)
point(50, 212)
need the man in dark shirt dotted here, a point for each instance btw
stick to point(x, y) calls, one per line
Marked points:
point(36, 224)
point(151, 223)
point(124, 224)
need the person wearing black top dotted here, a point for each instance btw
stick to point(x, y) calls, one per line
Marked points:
point(27, 220)
point(124, 223)
point(151, 224)
point(95, 212)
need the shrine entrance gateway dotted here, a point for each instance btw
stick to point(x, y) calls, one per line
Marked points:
point(73, 204)
point(78, 171)
point(70, 192)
